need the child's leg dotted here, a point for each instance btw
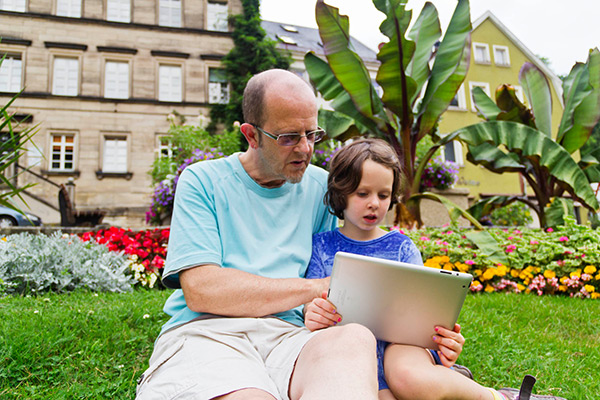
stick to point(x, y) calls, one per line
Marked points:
point(411, 374)
point(386, 394)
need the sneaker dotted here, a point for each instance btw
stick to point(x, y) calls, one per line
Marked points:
point(525, 392)
point(461, 369)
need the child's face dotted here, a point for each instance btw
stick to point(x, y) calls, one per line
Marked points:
point(369, 203)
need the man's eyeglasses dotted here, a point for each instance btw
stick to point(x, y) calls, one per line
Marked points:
point(292, 139)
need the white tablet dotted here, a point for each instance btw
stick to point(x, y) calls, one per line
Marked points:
point(398, 302)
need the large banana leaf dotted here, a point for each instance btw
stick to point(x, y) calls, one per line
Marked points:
point(487, 205)
point(488, 155)
point(327, 84)
point(347, 66)
point(558, 209)
point(485, 106)
point(536, 88)
point(532, 146)
point(425, 33)
point(449, 69)
point(590, 163)
point(582, 103)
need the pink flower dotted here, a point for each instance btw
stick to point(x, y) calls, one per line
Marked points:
point(510, 238)
point(469, 262)
point(563, 239)
point(533, 241)
point(510, 248)
point(424, 239)
point(516, 231)
point(549, 230)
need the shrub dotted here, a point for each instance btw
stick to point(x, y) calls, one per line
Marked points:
point(31, 264)
point(514, 214)
point(324, 152)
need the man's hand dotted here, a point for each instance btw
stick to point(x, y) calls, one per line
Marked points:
point(320, 313)
point(450, 344)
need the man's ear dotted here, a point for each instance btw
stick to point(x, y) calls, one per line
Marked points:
point(249, 133)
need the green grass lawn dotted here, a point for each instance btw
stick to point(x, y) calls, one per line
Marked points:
point(87, 346)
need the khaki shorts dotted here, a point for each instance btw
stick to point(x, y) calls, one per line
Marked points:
point(212, 357)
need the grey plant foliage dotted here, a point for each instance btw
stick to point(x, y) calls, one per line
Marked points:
point(31, 264)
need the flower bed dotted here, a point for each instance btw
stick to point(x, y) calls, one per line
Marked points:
point(146, 250)
point(563, 261)
point(560, 261)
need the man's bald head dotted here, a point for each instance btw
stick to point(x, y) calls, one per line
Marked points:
point(254, 101)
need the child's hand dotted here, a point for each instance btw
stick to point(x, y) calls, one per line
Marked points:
point(320, 313)
point(450, 343)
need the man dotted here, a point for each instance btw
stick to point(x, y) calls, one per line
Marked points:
point(240, 243)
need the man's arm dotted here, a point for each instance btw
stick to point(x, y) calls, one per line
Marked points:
point(234, 293)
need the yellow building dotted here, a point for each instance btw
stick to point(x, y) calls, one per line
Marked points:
point(497, 55)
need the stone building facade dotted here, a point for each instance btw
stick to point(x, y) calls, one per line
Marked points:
point(99, 78)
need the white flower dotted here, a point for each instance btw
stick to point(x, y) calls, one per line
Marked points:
point(36, 312)
point(146, 316)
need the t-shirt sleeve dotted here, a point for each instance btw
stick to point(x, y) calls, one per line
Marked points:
point(316, 268)
point(409, 253)
point(194, 238)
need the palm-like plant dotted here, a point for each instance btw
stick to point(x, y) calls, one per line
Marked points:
point(414, 92)
point(11, 149)
point(515, 138)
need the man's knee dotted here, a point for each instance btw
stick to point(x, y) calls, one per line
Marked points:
point(346, 337)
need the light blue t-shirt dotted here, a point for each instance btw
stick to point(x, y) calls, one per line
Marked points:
point(222, 216)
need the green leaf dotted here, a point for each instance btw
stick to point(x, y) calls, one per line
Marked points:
point(530, 146)
point(486, 106)
point(536, 88)
point(347, 66)
point(337, 125)
point(449, 69)
point(425, 33)
point(582, 103)
point(327, 84)
point(454, 210)
point(487, 205)
point(557, 211)
point(488, 246)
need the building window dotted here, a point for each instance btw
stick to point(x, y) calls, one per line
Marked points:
point(216, 17)
point(12, 5)
point(118, 10)
point(116, 80)
point(459, 102)
point(482, 53)
point(218, 88)
point(501, 57)
point(483, 85)
point(169, 83)
point(65, 76)
point(63, 152)
point(114, 159)
point(68, 8)
point(165, 147)
point(10, 73)
point(452, 151)
point(169, 13)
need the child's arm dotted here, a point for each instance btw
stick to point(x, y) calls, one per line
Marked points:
point(450, 343)
point(320, 313)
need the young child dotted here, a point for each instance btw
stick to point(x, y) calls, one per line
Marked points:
point(363, 184)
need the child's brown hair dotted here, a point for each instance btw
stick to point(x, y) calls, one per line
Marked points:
point(345, 171)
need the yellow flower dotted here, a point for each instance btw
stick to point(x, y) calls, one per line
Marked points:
point(576, 273)
point(549, 274)
point(4, 238)
point(590, 288)
point(520, 287)
point(538, 269)
point(489, 274)
point(445, 259)
point(590, 269)
point(448, 266)
point(475, 284)
point(462, 267)
point(477, 273)
point(515, 272)
point(562, 288)
point(598, 277)
point(595, 295)
point(489, 288)
point(564, 279)
point(502, 270)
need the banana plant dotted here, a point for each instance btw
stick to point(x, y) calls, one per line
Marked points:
point(419, 75)
point(515, 138)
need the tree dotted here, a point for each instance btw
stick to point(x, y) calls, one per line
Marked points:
point(515, 138)
point(253, 52)
point(414, 95)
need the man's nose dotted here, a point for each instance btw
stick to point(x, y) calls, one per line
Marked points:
point(304, 145)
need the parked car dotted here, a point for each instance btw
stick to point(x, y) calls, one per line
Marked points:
point(10, 217)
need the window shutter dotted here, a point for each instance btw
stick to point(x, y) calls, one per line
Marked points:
point(10, 74)
point(169, 83)
point(118, 10)
point(115, 155)
point(65, 77)
point(116, 80)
